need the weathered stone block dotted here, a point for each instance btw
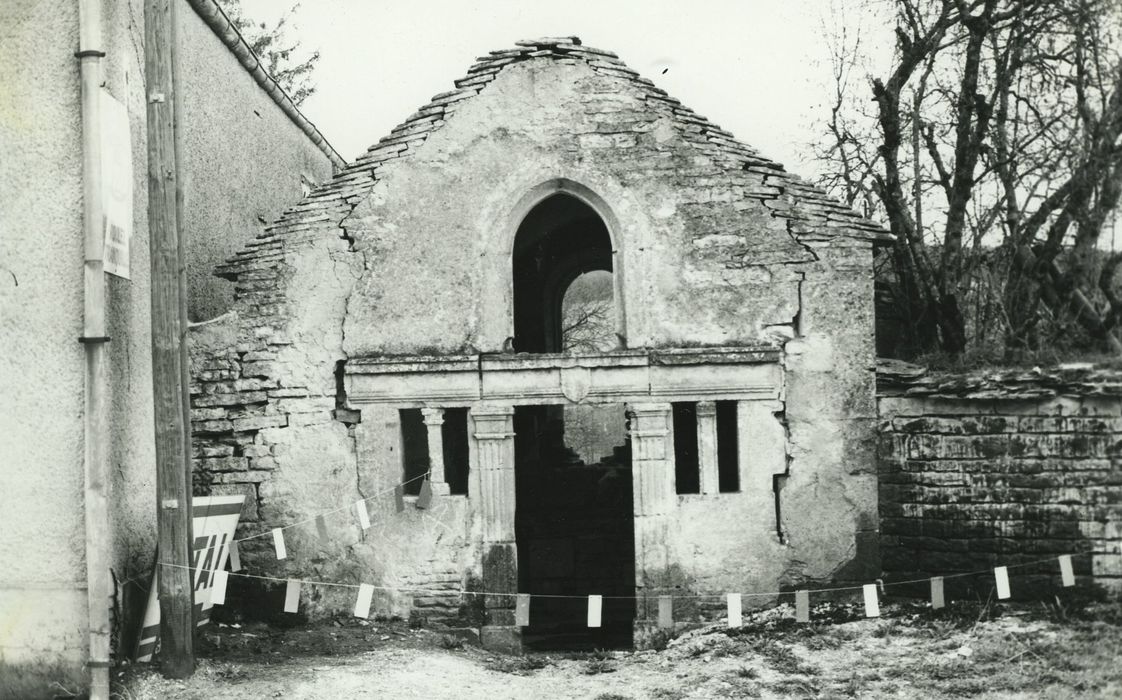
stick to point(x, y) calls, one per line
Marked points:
point(202, 414)
point(1042, 424)
point(257, 369)
point(258, 422)
point(262, 463)
point(223, 464)
point(230, 399)
point(212, 426)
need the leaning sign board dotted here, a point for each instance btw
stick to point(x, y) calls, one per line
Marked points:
point(213, 521)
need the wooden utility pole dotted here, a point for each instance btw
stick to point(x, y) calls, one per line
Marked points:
point(177, 649)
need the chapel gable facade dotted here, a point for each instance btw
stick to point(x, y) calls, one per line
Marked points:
point(601, 346)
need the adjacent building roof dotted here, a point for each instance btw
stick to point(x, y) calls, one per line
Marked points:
point(810, 211)
point(221, 25)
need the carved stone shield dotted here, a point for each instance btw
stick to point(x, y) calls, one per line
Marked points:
point(575, 383)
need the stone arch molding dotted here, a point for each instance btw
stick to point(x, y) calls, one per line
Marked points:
point(531, 197)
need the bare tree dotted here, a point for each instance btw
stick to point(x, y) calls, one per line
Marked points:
point(993, 154)
point(282, 58)
point(587, 314)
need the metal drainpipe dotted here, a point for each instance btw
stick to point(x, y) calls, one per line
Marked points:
point(94, 340)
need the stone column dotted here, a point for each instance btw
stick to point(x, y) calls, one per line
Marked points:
point(434, 420)
point(494, 439)
point(707, 446)
point(652, 474)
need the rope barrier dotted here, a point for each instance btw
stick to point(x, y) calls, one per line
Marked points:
point(1000, 574)
point(700, 596)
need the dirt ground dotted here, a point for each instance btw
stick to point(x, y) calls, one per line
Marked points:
point(975, 651)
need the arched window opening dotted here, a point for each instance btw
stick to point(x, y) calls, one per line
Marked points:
point(588, 315)
point(562, 264)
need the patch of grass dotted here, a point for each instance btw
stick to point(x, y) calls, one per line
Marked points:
point(612, 696)
point(451, 642)
point(517, 665)
point(594, 667)
point(747, 672)
point(659, 639)
point(886, 629)
point(745, 689)
point(822, 643)
point(229, 672)
point(793, 686)
point(667, 694)
point(781, 658)
point(40, 680)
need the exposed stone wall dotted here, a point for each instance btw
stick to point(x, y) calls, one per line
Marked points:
point(1011, 468)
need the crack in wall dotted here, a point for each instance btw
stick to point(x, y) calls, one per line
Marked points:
point(344, 413)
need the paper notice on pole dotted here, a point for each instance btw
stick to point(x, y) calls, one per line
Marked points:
point(802, 606)
point(1067, 573)
point(363, 515)
point(399, 498)
point(872, 605)
point(595, 602)
point(278, 543)
point(665, 612)
point(522, 610)
point(362, 604)
point(292, 596)
point(1001, 578)
point(321, 529)
point(937, 599)
point(116, 187)
point(735, 610)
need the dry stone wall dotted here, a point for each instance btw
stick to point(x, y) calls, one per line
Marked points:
point(1002, 468)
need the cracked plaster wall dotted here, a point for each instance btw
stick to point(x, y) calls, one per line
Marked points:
point(701, 264)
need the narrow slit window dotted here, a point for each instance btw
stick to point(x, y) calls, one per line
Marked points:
point(414, 449)
point(687, 470)
point(728, 448)
point(454, 434)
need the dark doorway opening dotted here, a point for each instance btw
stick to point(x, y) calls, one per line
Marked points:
point(563, 245)
point(574, 524)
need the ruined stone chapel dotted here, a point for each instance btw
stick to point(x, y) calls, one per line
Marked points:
point(624, 353)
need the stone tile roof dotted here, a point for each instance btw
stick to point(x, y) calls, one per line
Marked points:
point(811, 213)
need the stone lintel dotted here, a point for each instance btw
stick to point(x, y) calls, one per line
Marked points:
point(619, 377)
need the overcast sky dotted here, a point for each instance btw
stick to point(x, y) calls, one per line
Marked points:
point(758, 68)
